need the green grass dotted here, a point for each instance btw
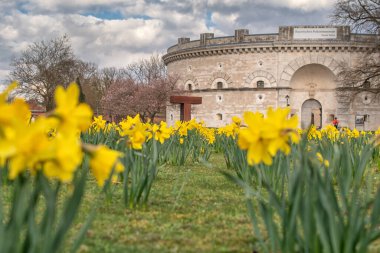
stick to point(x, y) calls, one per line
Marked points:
point(192, 208)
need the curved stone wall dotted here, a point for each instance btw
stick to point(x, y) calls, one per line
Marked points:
point(251, 72)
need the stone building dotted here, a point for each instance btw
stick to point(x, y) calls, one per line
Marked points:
point(295, 67)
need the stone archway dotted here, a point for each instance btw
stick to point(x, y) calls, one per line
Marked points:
point(313, 77)
point(259, 75)
point(290, 69)
point(190, 80)
point(311, 114)
point(220, 76)
point(314, 82)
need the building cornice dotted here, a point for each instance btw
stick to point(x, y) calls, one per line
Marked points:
point(258, 48)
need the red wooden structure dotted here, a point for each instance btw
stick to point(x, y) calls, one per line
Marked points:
point(35, 108)
point(185, 102)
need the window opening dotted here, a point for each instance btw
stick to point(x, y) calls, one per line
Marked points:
point(260, 84)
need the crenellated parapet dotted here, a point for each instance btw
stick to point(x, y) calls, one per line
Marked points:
point(288, 39)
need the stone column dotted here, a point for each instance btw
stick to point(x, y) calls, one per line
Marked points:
point(204, 37)
point(240, 34)
point(183, 40)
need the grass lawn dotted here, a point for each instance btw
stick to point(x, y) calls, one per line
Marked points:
point(192, 208)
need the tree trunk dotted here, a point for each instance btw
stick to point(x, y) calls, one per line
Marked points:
point(82, 97)
point(49, 104)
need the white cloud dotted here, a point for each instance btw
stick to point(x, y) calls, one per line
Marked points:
point(306, 5)
point(3, 77)
point(139, 27)
point(92, 39)
point(229, 22)
point(72, 6)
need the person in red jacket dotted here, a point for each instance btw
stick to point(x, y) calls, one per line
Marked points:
point(335, 122)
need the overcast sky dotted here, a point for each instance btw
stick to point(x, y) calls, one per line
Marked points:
point(117, 32)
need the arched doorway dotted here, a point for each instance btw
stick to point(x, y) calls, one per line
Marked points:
point(311, 114)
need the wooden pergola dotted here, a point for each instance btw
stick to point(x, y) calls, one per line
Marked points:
point(185, 102)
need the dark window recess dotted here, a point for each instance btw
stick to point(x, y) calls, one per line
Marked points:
point(260, 84)
point(219, 85)
point(189, 86)
point(182, 112)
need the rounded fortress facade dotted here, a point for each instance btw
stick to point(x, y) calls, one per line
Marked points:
point(296, 67)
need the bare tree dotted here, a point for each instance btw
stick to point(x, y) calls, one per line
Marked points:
point(152, 98)
point(97, 84)
point(108, 76)
point(364, 74)
point(43, 66)
point(362, 16)
point(119, 98)
point(147, 71)
point(142, 87)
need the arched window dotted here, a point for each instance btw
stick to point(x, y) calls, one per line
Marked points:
point(219, 85)
point(189, 86)
point(260, 84)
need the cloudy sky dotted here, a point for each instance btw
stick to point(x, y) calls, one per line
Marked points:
point(117, 32)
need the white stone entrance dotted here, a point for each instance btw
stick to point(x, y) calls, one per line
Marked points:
point(311, 114)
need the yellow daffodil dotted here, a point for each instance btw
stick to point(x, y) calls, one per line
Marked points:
point(161, 132)
point(323, 161)
point(183, 130)
point(377, 137)
point(103, 160)
point(5, 94)
point(230, 130)
point(208, 134)
point(71, 114)
point(66, 154)
point(314, 133)
point(263, 137)
point(99, 123)
point(26, 147)
point(377, 132)
point(236, 120)
point(14, 114)
point(279, 129)
point(136, 131)
point(111, 127)
point(250, 139)
point(331, 132)
point(355, 133)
